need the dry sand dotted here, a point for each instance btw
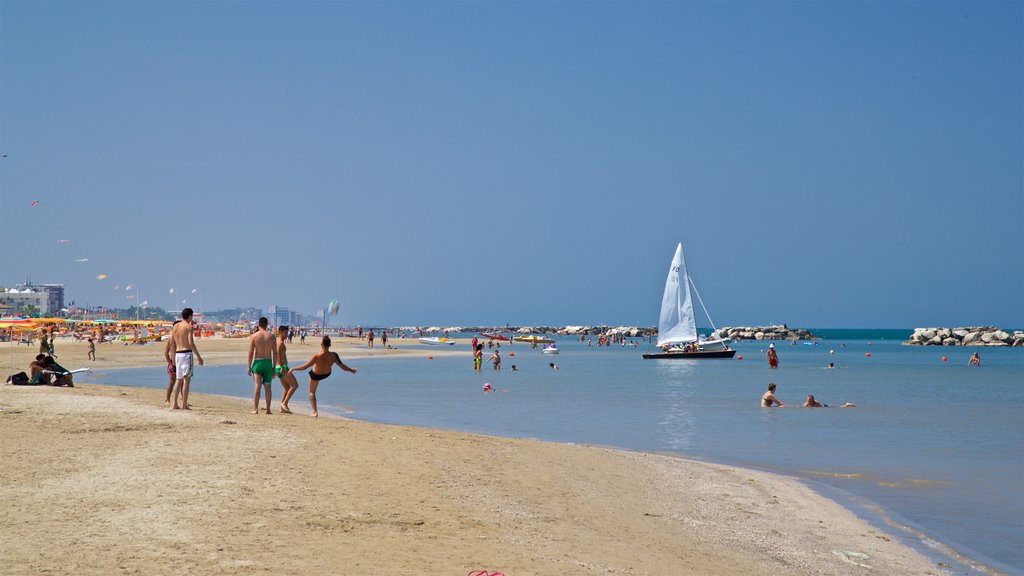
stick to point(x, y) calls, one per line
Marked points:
point(103, 480)
point(217, 350)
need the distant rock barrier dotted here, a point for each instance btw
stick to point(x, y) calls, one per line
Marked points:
point(781, 332)
point(625, 331)
point(973, 336)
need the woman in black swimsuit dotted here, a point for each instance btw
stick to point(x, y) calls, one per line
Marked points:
point(321, 363)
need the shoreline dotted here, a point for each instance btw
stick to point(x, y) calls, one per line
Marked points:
point(216, 351)
point(519, 506)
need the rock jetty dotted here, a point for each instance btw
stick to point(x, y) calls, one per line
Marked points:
point(781, 332)
point(626, 331)
point(972, 336)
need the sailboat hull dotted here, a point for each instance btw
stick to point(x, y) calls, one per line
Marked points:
point(698, 355)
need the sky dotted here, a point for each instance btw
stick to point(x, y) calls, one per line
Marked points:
point(825, 164)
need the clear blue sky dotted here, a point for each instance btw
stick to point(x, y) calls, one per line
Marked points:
point(825, 164)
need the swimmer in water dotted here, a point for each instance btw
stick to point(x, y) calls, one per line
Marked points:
point(812, 403)
point(321, 362)
point(768, 399)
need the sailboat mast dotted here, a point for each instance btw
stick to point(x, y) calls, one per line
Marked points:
point(706, 313)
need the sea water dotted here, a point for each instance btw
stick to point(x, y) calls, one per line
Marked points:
point(935, 447)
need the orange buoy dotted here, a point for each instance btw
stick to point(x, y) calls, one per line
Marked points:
point(512, 354)
point(430, 357)
point(867, 354)
point(739, 357)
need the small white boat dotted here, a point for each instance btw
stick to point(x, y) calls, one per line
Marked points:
point(550, 349)
point(435, 341)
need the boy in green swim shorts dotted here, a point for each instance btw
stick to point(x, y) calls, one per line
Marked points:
point(261, 363)
point(288, 381)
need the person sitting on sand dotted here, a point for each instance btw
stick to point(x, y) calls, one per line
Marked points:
point(321, 362)
point(768, 399)
point(63, 376)
point(36, 372)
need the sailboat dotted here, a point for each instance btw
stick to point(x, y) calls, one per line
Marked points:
point(677, 329)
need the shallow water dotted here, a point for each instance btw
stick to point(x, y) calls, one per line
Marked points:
point(939, 446)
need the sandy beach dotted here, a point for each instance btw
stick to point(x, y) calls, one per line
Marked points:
point(100, 480)
point(216, 350)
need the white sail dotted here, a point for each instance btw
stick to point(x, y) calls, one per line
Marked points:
point(677, 325)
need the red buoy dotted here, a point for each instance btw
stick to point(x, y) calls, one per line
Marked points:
point(867, 354)
point(739, 357)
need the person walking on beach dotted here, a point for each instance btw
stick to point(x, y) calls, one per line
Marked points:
point(768, 399)
point(975, 360)
point(384, 338)
point(44, 344)
point(184, 342)
point(369, 339)
point(288, 381)
point(168, 350)
point(321, 362)
point(261, 363)
point(773, 357)
point(92, 350)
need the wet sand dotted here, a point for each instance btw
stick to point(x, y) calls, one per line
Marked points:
point(104, 480)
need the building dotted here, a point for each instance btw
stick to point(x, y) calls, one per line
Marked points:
point(54, 292)
point(15, 302)
point(279, 315)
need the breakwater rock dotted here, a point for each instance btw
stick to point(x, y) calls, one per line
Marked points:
point(971, 336)
point(626, 331)
point(781, 332)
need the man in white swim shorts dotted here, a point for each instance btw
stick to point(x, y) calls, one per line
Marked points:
point(183, 341)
